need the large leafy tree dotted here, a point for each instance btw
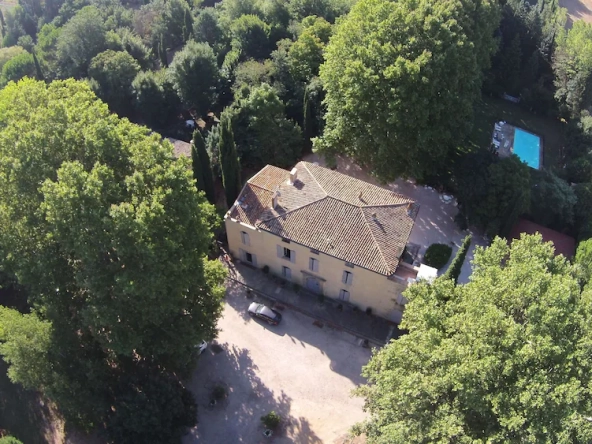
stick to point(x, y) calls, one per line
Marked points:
point(82, 38)
point(173, 24)
point(155, 98)
point(262, 132)
point(18, 67)
point(504, 358)
point(306, 54)
point(114, 72)
point(492, 192)
point(108, 234)
point(552, 200)
point(195, 76)
point(250, 37)
point(401, 79)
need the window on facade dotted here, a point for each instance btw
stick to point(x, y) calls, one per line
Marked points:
point(347, 277)
point(286, 253)
point(286, 273)
point(249, 257)
point(344, 295)
point(285, 240)
point(313, 264)
point(245, 238)
point(349, 264)
point(313, 251)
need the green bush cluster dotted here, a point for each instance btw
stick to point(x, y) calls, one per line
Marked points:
point(271, 420)
point(437, 255)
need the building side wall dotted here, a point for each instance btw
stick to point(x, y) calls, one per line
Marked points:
point(367, 288)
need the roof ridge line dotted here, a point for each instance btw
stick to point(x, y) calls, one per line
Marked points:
point(314, 178)
point(293, 210)
point(385, 263)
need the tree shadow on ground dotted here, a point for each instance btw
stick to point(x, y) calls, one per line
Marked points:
point(237, 417)
point(306, 332)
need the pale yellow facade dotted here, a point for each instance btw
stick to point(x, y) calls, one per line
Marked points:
point(328, 275)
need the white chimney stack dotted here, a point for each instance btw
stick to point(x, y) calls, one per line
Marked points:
point(293, 176)
point(275, 199)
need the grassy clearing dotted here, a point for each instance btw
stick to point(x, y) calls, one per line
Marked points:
point(490, 110)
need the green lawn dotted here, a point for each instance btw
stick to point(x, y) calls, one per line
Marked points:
point(489, 110)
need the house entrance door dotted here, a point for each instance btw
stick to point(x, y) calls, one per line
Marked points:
point(313, 285)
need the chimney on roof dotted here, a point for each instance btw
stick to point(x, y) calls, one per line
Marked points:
point(360, 196)
point(275, 199)
point(374, 218)
point(293, 176)
point(409, 208)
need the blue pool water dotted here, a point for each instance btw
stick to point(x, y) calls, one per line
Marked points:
point(527, 147)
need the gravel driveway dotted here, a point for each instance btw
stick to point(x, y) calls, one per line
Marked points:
point(303, 372)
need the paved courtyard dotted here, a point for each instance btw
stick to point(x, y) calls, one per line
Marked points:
point(435, 220)
point(304, 373)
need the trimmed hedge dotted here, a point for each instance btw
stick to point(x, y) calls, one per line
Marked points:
point(437, 255)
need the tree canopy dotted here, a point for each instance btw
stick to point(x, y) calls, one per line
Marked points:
point(108, 234)
point(194, 73)
point(399, 98)
point(114, 72)
point(504, 358)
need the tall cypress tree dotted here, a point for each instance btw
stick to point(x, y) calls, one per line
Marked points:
point(455, 268)
point(202, 170)
point(307, 123)
point(229, 161)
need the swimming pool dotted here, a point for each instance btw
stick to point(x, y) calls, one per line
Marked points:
point(527, 147)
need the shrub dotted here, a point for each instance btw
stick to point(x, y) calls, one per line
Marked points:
point(369, 310)
point(266, 269)
point(296, 287)
point(321, 299)
point(437, 255)
point(455, 268)
point(271, 420)
point(218, 393)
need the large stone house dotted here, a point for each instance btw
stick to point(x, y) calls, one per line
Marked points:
point(328, 232)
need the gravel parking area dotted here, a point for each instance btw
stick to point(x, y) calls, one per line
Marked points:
point(303, 372)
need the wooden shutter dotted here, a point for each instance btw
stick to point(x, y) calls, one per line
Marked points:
point(280, 251)
point(344, 277)
point(292, 256)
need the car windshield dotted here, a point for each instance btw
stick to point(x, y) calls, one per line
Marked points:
point(266, 311)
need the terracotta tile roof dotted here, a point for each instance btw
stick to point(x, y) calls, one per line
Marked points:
point(564, 244)
point(331, 212)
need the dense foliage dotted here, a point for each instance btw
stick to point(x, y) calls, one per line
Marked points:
point(202, 169)
point(492, 192)
point(437, 255)
point(109, 236)
point(400, 97)
point(504, 358)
